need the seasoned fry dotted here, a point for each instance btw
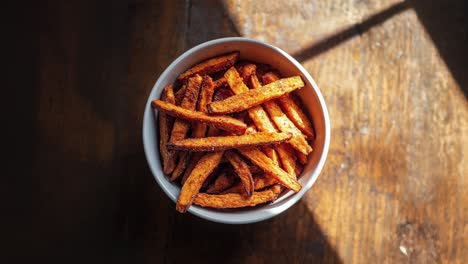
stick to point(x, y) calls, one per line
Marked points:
point(229, 142)
point(271, 153)
point(301, 157)
point(291, 109)
point(234, 200)
point(250, 98)
point(184, 157)
point(299, 168)
point(211, 65)
point(193, 162)
point(221, 82)
point(205, 97)
point(222, 94)
point(242, 170)
point(181, 127)
point(263, 181)
point(298, 140)
point(247, 70)
point(165, 123)
point(256, 113)
point(288, 160)
point(222, 182)
point(196, 178)
point(260, 182)
point(261, 160)
point(189, 101)
point(179, 95)
point(222, 122)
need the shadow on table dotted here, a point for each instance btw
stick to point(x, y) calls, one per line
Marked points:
point(445, 21)
point(292, 237)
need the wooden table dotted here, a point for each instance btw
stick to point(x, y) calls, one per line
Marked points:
point(393, 189)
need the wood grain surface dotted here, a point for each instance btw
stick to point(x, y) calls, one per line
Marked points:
point(393, 189)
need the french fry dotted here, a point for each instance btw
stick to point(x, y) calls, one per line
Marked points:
point(221, 82)
point(165, 123)
point(301, 157)
point(193, 162)
point(250, 98)
point(222, 122)
point(261, 160)
point(211, 65)
point(196, 178)
point(181, 127)
point(291, 109)
point(271, 153)
point(288, 159)
point(184, 158)
point(298, 140)
point(234, 200)
point(247, 70)
point(189, 101)
point(256, 113)
point(229, 142)
point(179, 95)
point(205, 97)
point(222, 94)
point(263, 181)
point(242, 170)
point(222, 182)
point(260, 182)
point(299, 168)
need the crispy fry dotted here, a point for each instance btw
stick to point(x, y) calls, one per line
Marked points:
point(291, 109)
point(222, 94)
point(181, 127)
point(165, 123)
point(261, 160)
point(196, 178)
point(288, 160)
point(193, 162)
point(205, 97)
point(271, 153)
point(264, 180)
point(298, 140)
point(221, 183)
point(301, 157)
point(184, 159)
point(189, 101)
point(222, 122)
point(250, 98)
point(246, 71)
point(242, 170)
point(229, 142)
point(256, 113)
point(299, 168)
point(211, 65)
point(234, 200)
point(221, 82)
point(260, 182)
point(179, 95)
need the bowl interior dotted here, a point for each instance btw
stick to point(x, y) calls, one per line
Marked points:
point(262, 53)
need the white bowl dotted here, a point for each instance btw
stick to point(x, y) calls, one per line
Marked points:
point(256, 51)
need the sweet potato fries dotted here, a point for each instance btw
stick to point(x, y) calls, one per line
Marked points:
point(234, 142)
